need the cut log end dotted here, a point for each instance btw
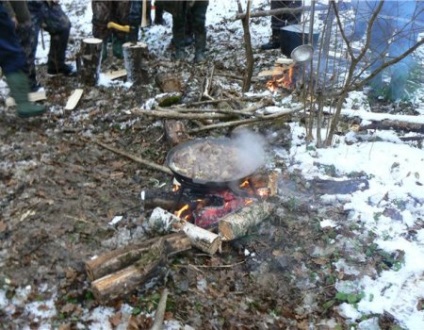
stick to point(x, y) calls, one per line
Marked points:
point(93, 41)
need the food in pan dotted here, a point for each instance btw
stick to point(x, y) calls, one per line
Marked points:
point(208, 160)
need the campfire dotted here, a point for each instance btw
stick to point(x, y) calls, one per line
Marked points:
point(283, 78)
point(219, 195)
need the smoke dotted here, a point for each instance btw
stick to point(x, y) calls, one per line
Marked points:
point(252, 150)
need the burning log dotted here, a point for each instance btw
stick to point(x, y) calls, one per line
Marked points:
point(126, 280)
point(88, 61)
point(164, 221)
point(118, 259)
point(238, 224)
point(135, 55)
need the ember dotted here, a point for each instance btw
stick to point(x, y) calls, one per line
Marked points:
point(207, 211)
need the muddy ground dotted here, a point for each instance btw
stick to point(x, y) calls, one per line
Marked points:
point(60, 190)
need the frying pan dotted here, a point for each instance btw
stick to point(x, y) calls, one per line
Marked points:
point(218, 183)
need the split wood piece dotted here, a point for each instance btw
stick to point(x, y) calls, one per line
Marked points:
point(89, 60)
point(239, 223)
point(118, 259)
point(164, 221)
point(128, 279)
point(136, 159)
point(284, 61)
point(112, 75)
point(74, 99)
point(276, 71)
point(175, 132)
point(135, 60)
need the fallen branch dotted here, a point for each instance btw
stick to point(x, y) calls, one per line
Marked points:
point(160, 311)
point(169, 114)
point(135, 158)
point(246, 121)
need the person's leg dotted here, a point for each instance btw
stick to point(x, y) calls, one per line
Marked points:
point(279, 21)
point(198, 15)
point(101, 16)
point(121, 11)
point(57, 23)
point(13, 62)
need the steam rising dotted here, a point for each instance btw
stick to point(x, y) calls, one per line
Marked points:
point(252, 150)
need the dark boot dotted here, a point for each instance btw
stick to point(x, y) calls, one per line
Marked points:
point(200, 47)
point(56, 58)
point(274, 41)
point(19, 88)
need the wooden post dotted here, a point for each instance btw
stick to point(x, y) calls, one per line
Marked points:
point(135, 55)
point(89, 59)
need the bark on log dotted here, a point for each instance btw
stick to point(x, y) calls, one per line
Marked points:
point(175, 132)
point(113, 261)
point(129, 278)
point(238, 224)
point(135, 59)
point(89, 60)
point(170, 82)
point(164, 221)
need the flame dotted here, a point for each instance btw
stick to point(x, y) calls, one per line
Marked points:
point(179, 212)
point(284, 80)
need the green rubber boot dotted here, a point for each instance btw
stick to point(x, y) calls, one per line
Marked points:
point(19, 89)
point(117, 48)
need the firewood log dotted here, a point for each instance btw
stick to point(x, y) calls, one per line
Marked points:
point(135, 60)
point(88, 61)
point(148, 267)
point(115, 260)
point(238, 224)
point(164, 221)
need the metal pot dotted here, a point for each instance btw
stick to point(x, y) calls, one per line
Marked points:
point(293, 36)
point(211, 183)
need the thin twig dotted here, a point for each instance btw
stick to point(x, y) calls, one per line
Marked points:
point(135, 158)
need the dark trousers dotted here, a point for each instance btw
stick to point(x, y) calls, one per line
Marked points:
point(12, 56)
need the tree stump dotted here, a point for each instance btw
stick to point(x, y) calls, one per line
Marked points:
point(88, 61)
point(135, 59)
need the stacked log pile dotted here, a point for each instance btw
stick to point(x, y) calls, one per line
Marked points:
point(116, 273)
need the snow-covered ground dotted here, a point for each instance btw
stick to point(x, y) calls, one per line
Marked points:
point(395, 170)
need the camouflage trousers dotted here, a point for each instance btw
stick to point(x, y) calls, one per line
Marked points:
point(107, 11)
point(51, 18)
point(27, 38)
